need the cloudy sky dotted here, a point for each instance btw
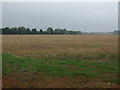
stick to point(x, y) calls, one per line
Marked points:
point(84, 16)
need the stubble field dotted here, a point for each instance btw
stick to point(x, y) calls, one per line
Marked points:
point(60, 61)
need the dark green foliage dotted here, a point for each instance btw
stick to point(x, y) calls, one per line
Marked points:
point(34, 31)
point(49, 30)
point(41, 31)
point(23, 30)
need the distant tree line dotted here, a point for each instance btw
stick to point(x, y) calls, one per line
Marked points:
point(116, 32)
point(23, 30)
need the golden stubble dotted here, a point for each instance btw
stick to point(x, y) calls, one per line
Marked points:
point(54, 45)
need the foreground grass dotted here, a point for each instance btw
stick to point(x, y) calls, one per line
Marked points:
point(104, 70)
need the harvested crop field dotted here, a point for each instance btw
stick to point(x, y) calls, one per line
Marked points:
point(56, 46)
point(60, 61)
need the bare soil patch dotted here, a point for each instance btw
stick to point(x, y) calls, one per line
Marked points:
point(56, 82)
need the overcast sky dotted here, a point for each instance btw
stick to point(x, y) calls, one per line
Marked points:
point(84, 16)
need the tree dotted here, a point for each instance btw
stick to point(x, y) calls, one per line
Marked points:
point(14, 30)
point(34, 31)
point(41, 31)
point(57, 31)
point(28, 31)
point(50, 30)
point(6, 30)
point(65, 31)
point(21, 30)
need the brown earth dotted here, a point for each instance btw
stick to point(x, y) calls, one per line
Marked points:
point(57, 82)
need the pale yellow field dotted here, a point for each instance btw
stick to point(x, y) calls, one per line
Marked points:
point(55, 46)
